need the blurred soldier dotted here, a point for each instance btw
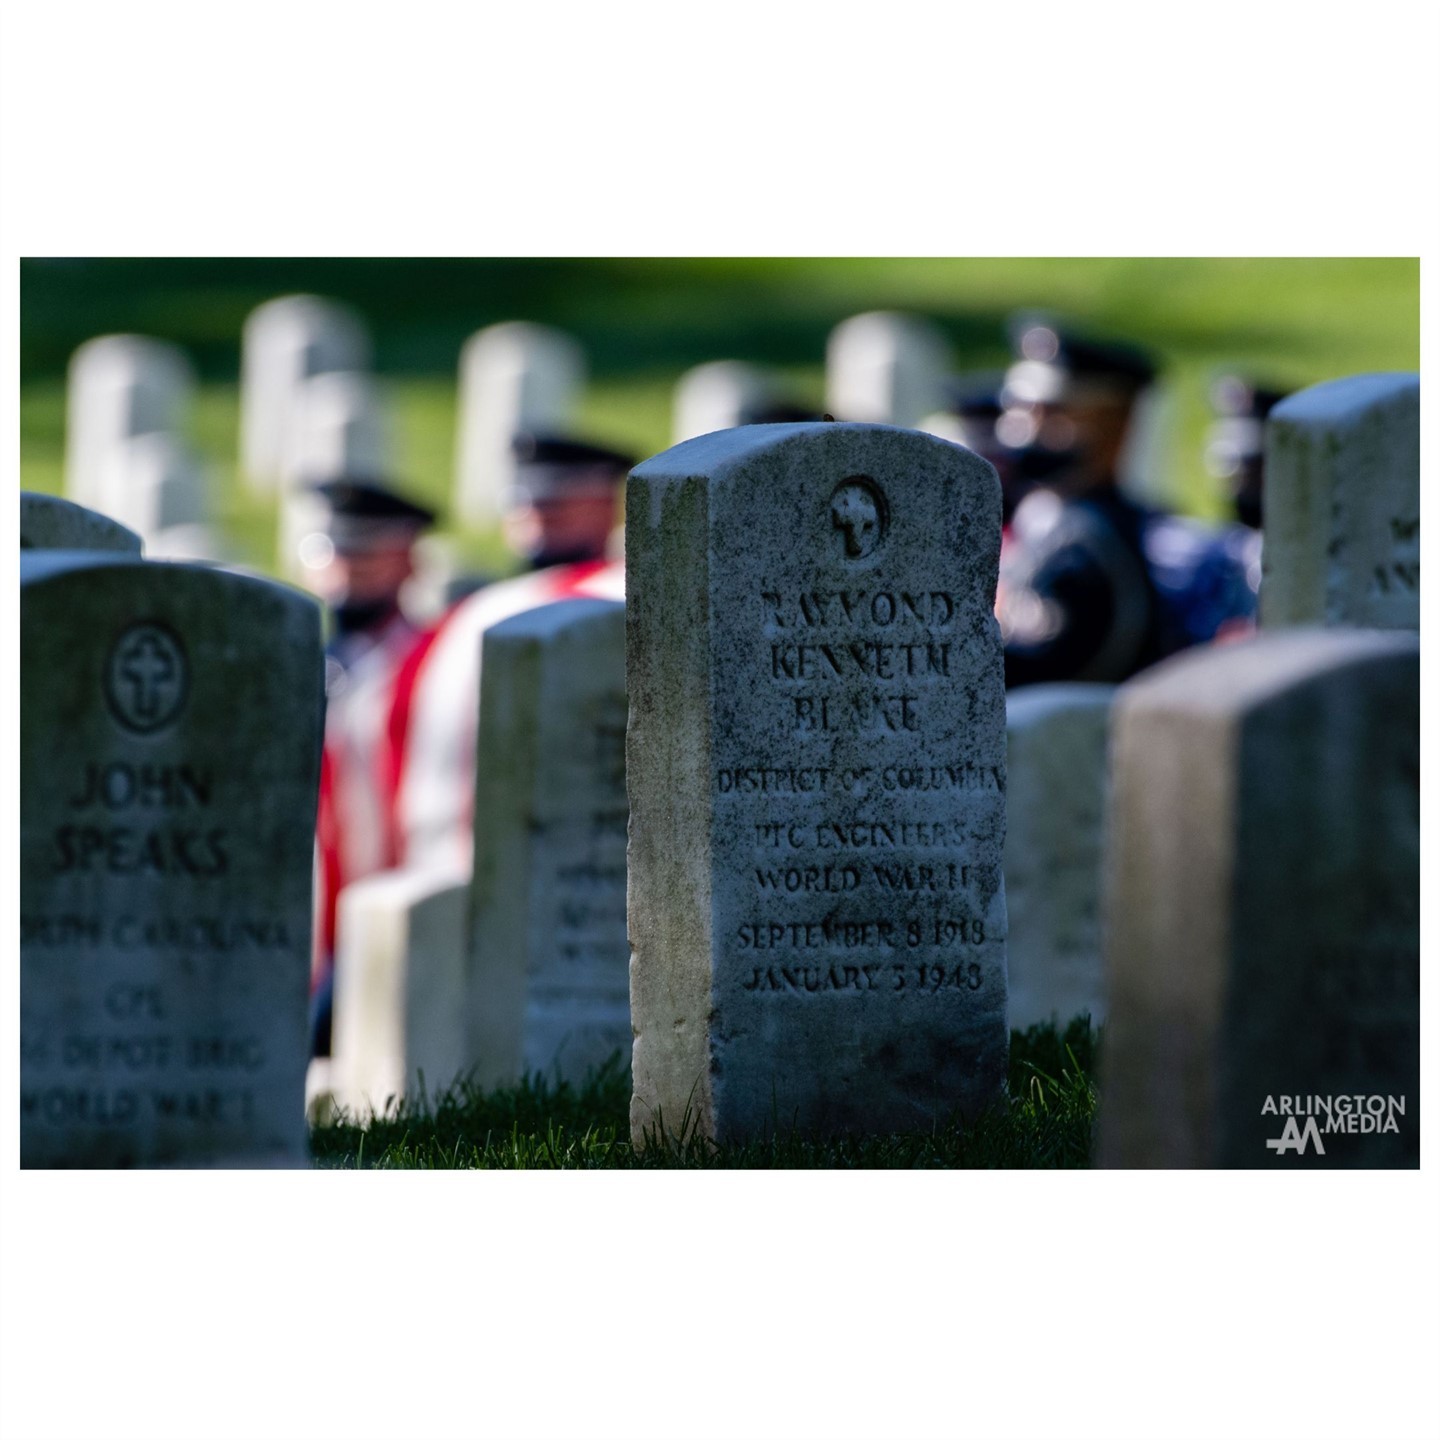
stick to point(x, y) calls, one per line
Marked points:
point(1235, 442)
point(560, 516)
point(1076, 600)
point(358, 557)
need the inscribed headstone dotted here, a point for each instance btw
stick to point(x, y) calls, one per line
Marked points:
point(1055, 811)
point(550, 959)
point(1262, 905)
point(816, 770)
point(1342, 505)
point(169, 762)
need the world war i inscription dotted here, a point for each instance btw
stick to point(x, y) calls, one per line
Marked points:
point(170, 752)
point(816, 909)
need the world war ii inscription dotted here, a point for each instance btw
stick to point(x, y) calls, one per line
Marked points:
point(855, 787)
point(170, 749)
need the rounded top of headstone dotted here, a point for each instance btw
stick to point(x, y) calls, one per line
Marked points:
point(1336, 402)
point(122, 356)
point(518, 336)
point(1238, 677)
point(49, 523)
point(311, 309)
point(1035, 704)
point(723, 451)
point(549, 619)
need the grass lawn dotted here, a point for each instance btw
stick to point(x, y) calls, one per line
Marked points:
point(1045, 1123)
point(643, 322)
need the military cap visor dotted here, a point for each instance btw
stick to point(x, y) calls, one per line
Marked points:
point(1053, 364)
point(364, 515)
point(550, 468)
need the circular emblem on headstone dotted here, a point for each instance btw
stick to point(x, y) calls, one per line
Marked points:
point(860, 515)
point(147, 677)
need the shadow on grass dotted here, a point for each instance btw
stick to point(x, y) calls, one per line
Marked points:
point(1045, 1122)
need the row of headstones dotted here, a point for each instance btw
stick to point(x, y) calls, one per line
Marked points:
point(311, 408)
point(1244, 819)
point(814, 729)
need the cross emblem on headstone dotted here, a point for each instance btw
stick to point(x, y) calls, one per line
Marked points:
point(150, 669)
point(146, 677)
point(856, 514)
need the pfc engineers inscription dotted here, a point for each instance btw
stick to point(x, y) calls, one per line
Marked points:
point(849, 816)
point(169, 766)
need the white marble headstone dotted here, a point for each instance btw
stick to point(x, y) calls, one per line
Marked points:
point(1057, 739)
point(886, 367)
point(169, 763)
point(338, 426)
point(549, 956)
point(119, 386)
point(514, 376)
point(718, 396)
point(1262, 904)
point(285, 342)
point(398, 1019)
point(1342, 505)
point(816, 772)
point(152, 483)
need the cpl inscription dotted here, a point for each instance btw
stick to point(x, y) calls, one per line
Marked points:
point(147, 677)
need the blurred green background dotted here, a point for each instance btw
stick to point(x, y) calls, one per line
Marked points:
point(644, 321)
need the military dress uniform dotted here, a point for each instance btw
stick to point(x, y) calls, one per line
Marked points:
point(371, 642)
point(434, 719)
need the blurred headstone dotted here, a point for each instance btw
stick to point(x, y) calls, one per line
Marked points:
point(286, 341)
point(338, 427)
point(1342, 505)
point(718, 396)
point(170, 746)
point(550, 959)
point(400, 988)
point(887, 368)
point(515, 376)
point(1262, 906)
point(1055, 804)
point(816, 772)
point(152, 483)
point(119, 386)
point(49, 523)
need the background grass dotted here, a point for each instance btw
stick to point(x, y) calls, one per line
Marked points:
point(1046, 1121)
point(644, 321)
